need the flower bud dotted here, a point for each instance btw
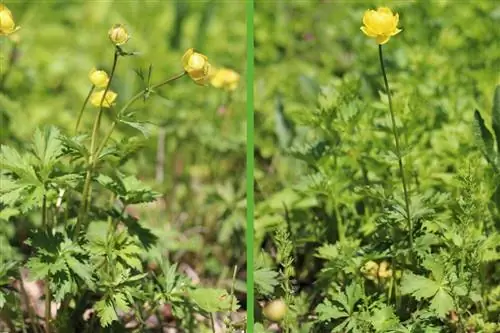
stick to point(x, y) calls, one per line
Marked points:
point(118, 35)
point(370, 270)
point(380, 24)
point(196, 66)
point(275, 310)
point(383, 270)
point(7, 24)
point(225, 79)
point(96, 98)
point(99, 79)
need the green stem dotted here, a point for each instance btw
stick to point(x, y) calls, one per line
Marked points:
point(83, 108)
point(48, 301)
point(398, 151)
point(130, 102)
point(90, 162)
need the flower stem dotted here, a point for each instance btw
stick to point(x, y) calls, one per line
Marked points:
point(129, 103)
point(398, 151)
point(90, 162)
point(83, 108)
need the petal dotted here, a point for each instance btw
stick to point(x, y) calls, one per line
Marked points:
point(384, 10)
point(381, 40)
point(367, 31)
point(395, 32)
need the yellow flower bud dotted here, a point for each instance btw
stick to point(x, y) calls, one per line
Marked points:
point(381, 24)
point(370, 270)
point(7, 24)
point(118, 35)
point(96, 98)
point(197, 66)
point(275, 310)
point(383, 270)
point(99, 79)
point(226, 79)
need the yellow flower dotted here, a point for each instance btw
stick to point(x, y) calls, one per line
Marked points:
point(383, 270)
point(7, 24)
point(381, 24)
point(96, 98)
point(370, 270)
point(225, 78)
point(197, 66)
point(118, 35)
point(99, 79)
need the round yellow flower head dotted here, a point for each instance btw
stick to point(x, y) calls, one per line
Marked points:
point(226, 79)
point(381, 24)
point(96, 98)
point(99, 79)
point(7, 24)
point(196, 66)
point(370, 270)
point(383, 270)
point(118, 34)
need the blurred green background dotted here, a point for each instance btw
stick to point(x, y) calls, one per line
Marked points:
point(201, 132)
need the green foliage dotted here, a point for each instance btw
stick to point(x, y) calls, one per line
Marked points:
point(328, 170)
point(115, 224)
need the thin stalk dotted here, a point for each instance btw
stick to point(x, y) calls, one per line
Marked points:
point(48, 301)
point(90, 162)
point(31, 313)
point(83, 108)
point(213, 322)
point(398, 151)
point(130, 102)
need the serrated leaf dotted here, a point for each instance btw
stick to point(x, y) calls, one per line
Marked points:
point(213, 300)
point(120, 301)
point(327, 311)
point(47, 147)
point(81, 270)
point(265, 280)
point(442, 303)
point(418, 286)
point(106, 312)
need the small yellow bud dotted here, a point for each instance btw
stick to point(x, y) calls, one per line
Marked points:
point(99, 79)
point(197, 66)
point(226, 79)
point(7, 24)
point(118, 35)
point(370, 270)
point(381, 24)
point(383, 270)
point(96, 98)
point(275, 310)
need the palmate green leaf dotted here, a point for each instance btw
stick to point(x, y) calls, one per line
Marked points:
point(47, 147)
point(105, 311)
point(327, 311)
point(265, 280)
point(418, 286)
point(12, 161)
point(442, 303)
point(384, 319)
point(213, 300)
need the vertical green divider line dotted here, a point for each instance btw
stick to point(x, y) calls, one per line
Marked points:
point(250, 165)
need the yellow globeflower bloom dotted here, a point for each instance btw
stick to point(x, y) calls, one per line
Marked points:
point(196, 66)
point(381, 24)
point(118, 34)
point(370, 270)
point(226, 79)
point(99, 79)
point(7, 24)
point(96, 98)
